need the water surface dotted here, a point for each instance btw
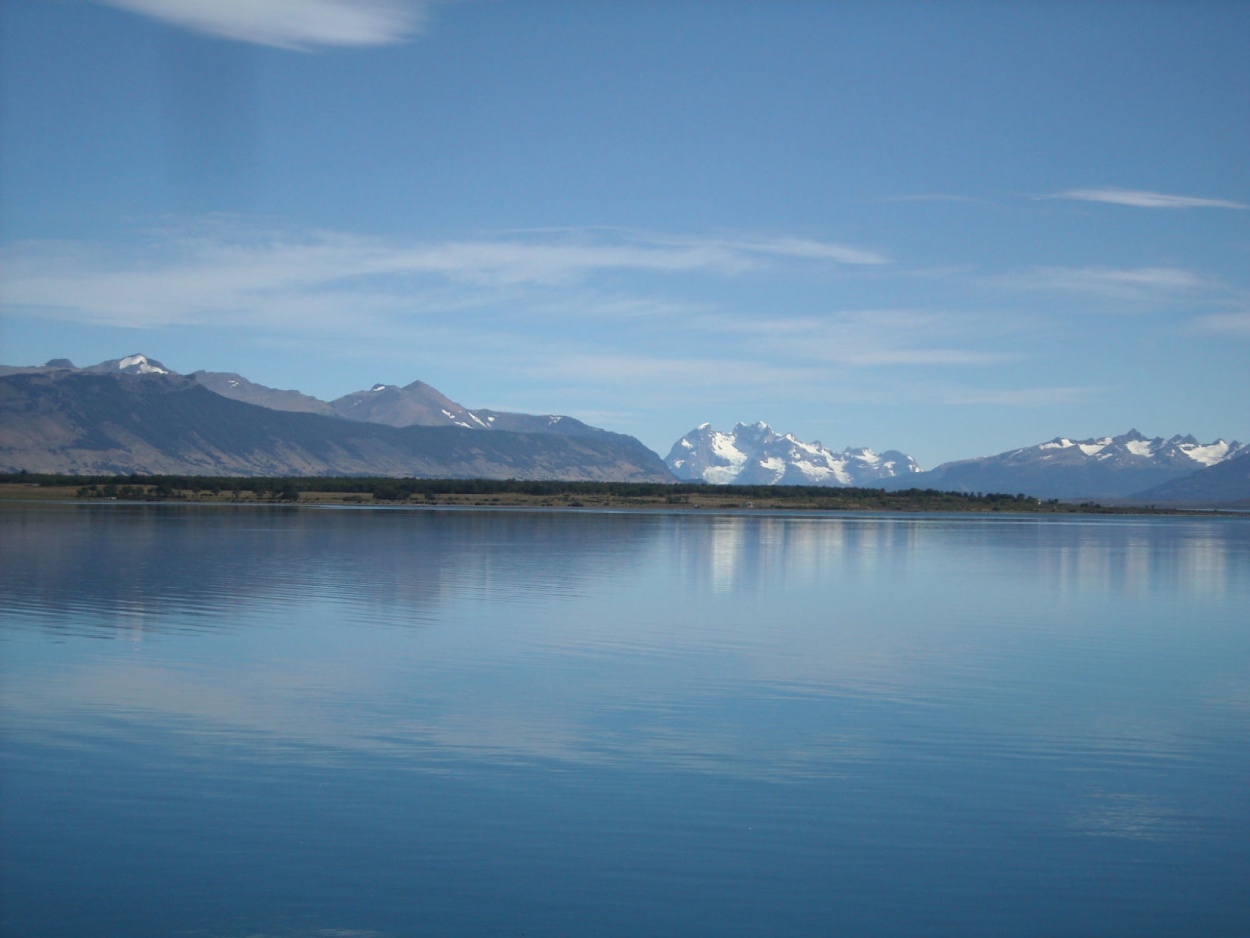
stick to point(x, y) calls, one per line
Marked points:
point(249, 721)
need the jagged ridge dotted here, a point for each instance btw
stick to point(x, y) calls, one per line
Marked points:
point(755, 454)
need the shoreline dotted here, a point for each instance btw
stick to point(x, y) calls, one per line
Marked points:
point(711, 500)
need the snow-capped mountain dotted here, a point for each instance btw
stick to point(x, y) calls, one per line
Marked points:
point(1132, 446)
point(1103, 467)
point(134, 414)
point(130, 365)
point(755, 454)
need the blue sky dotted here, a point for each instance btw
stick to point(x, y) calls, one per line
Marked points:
point(946, 228)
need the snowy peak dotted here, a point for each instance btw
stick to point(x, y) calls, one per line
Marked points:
point(136, 364)
point(1131, 447)
point(1108, 466)
point(755, 454)
point(141, 365)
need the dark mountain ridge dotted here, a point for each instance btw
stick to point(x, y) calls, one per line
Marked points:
point(65, 420)
point(1225, 483)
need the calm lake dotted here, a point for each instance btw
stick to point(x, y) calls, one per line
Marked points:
point(251, 721)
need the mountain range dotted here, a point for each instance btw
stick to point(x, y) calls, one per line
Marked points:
point(413, 405)
point(134, 415)
point(1129, 466)
point(1126, 466)
point(755, 454)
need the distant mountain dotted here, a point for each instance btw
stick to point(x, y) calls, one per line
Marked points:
point(415, 405)
point(1106, 467)
point(418, 404)
point(130, 365)
point(133, 415)
point(1226, 482)
point(227, 384)
point(238, 388)
point(755, 454)
point(535, 423)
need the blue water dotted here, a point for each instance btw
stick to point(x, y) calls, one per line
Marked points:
point(245, 721)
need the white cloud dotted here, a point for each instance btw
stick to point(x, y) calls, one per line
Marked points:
point(1142, 199)
point(290, 24)
point(807, 249)
point(620, 317)
point(1138, 283)
point(224, 270)
point(1230, 324)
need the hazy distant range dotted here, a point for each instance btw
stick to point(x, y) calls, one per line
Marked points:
point(134, 415)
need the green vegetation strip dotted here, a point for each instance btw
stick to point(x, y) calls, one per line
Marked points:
point(513, 492)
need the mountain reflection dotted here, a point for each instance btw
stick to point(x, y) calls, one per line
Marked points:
point(752, 552)
point(189, 568)
point(772, 646)
point(195, 567)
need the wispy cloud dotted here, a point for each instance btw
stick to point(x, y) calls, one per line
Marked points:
point(1136, 284)
point(290, 24)
point(874, 337)
point(1228, 324)
point(1140, 198)
point(598, 319)
point(808, 249)
point(190, 276)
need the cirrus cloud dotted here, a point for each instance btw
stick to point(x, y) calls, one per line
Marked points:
point(1135, 285)
point(223, 269)
point(1236, 325)
point(289, 24)
point(1140, 198)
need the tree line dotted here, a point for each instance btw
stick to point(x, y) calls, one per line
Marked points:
point(289, 488)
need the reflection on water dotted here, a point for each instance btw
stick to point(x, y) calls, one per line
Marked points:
point(159, 566)
point(324, 722)
point(169, 567)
